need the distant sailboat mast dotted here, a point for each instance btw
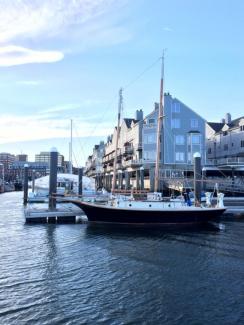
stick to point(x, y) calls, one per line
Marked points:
point(70, 147)
point(159, 131)
point(120, 106)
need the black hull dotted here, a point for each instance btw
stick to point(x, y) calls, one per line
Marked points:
point(96, 213)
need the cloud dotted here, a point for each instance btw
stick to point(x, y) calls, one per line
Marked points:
point(74, 26)
point(29, 82)
point(21, 20)
point(167, 29)
point(15, 55)
point(61, 108)
point(49, 123)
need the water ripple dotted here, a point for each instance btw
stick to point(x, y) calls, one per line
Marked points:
point(86, 274)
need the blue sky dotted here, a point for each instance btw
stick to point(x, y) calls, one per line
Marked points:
point(62, 60)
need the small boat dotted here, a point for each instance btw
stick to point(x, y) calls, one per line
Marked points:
point(154, 209)
point(121, 210)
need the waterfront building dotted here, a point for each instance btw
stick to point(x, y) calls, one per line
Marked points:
point(16, 170)
point(182, 134)
point(6, 160)
point(225, 153)
point(129, 152)
point(22, 157)
point(44, 157)
point(225, 141)
point(94, 164)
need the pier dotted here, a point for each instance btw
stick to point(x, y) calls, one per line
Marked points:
point(64, 213)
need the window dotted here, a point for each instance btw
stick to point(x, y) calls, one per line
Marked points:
point(176, 107)
point(179, 139)
point(194, 123)
point(242, 128)
point(149, 155)
point(175, 123)
point(180, 156)
point(242, 143)
point(209, 150)
point(151, 121)
point(225, 133)
point(225, 147)
point(150, 138)
point(195, 139)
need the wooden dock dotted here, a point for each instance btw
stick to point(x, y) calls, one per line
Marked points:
point(64, 213)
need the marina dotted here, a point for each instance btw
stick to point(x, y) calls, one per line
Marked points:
point(121, 162)
point(85, 274)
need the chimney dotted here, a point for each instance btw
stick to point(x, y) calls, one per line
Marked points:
point(156, 106)
point(139, 115)
point(227, 118)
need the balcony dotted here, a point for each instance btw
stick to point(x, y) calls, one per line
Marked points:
point(134, 163)
point(233, 161)
point(138, 146)
point(127, 150)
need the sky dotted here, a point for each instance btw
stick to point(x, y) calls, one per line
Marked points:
point(63, 60)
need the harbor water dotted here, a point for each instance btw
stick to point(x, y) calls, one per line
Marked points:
point(98, 274)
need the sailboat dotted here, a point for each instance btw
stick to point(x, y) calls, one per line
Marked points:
point(153, 210)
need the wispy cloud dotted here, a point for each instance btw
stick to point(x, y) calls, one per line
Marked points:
point(60, 108)
point(48, 18)
point(53, 122)
point(167, 29)
point(89, 21)
point(15, 55)
point(29, 82)
point(35, 128)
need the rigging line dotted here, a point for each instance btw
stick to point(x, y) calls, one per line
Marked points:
point(81, 151)
point(102, 117)
point(75, 159)
point(126, 87)
point(80, 144)
point(141, 74)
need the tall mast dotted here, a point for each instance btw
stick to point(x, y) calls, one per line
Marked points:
point(70, 148)
point(120, 106)
point(160, 130)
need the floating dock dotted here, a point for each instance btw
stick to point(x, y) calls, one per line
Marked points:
point(64, 213)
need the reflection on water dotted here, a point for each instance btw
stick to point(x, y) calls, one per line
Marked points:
point(110, 274)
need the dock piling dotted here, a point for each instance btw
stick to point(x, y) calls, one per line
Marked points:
point(53, 178)
point(197, 178)
point(26, 170)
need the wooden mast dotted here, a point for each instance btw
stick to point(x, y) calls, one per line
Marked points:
point(117, 139)
point(159, 131)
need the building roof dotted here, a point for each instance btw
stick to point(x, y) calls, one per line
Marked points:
point(235, 123)
point(216, 126)
point(128, 121)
